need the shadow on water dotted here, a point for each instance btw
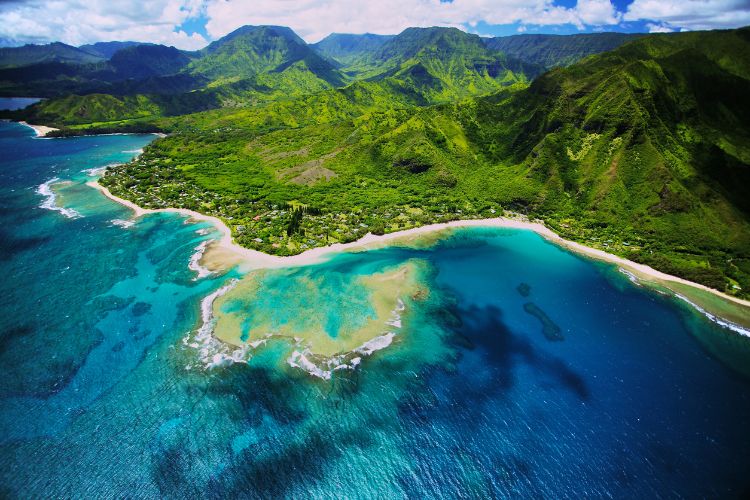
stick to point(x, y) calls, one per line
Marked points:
point(14, 333)
point(489, 358)
point(11, 245)
point(278, 474)
point(483, 329)
point(295, 437)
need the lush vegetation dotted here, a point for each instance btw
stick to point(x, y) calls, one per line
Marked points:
point(347, 49)
point(643, 151)
point(13, 57)
point(107, 49)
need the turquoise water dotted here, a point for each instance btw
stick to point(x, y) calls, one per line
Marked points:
point(103, 395)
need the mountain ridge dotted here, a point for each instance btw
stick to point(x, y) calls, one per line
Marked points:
point(550, 51)
point(56, 52)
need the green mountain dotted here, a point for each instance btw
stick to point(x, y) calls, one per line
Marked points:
point(143, 61)
point(648, 145)
point(255, 50)
point(107, 49)
point(13, 57)
point(120, 113)
point(44, 80)
point(550, 51)
point(259, 64)
point(441, 64)
point(133, 69)
point(347, 49)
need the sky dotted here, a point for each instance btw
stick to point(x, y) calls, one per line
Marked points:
point(192, 24)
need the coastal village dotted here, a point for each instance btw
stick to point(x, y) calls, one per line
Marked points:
point(290, 228)
point(276, 229)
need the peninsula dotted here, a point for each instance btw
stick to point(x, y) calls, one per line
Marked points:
point(225, 253)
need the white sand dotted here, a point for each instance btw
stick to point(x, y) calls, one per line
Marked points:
point(40, 130)
point(256, 260)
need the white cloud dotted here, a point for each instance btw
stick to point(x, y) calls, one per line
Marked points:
point(597, 12)
point(77, 22)
point(81, 21)
point(314, 19)
point(691, 14)
point(658, 28)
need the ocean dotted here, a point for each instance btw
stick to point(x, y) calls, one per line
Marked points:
point(504, 366)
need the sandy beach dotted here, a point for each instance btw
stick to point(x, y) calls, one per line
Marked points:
point(40, 130)
point(228, 253)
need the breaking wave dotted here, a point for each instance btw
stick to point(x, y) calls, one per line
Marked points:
point(194, 264)
point(50, 200)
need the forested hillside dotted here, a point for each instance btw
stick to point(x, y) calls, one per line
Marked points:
point(551, 51)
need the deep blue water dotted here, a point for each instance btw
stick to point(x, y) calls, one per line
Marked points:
point(624, 397)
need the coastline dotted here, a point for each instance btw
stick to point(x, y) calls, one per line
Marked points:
point(226, 251)
point(40, 130)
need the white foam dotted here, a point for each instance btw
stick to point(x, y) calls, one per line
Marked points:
point(136, 151)
point(257, 343)
point(94, 172)
point(50, 199)
point(194, 264)
point(212, 352)
point(122, 223)
point(376, 344)
point(98, 171)
point(395, 318)
point(299, 360)
point(719, 321)
point(632, 277)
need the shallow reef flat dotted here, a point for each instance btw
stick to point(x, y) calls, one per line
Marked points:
point(330, 313)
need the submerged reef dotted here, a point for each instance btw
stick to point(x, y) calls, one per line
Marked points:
point(549, 328)
point(524, 289)
point(329, 319)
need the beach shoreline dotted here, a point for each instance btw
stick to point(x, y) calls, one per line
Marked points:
point(234, 254)
point(39, 130)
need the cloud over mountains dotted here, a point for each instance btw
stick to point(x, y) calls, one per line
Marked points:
point(191, 24)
